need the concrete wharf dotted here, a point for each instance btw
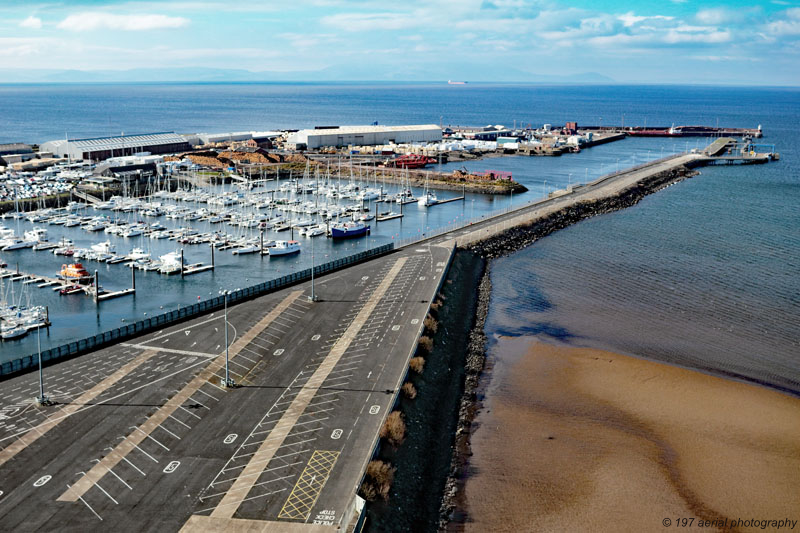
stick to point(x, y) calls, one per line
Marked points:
point(144, 435)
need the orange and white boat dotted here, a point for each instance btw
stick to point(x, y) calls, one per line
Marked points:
point(75, 271)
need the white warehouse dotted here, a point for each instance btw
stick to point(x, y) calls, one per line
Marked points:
point(364, 136)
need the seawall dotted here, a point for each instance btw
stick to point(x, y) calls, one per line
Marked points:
point(498, 243)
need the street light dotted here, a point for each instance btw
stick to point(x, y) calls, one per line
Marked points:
point(228, 381)
point(313, 297)
point(42, 399)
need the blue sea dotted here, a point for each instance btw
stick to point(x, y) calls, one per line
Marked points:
point(704, 274)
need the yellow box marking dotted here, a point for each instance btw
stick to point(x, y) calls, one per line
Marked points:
point(306, 491)
point(260, 460)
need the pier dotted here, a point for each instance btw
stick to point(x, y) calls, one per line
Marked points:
point(448, 200)
point(168, 442)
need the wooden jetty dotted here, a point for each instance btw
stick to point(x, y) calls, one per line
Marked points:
point(196, 269)
point(116, 294)
point(448, 200)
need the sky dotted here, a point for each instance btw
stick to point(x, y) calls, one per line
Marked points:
point(677, 41)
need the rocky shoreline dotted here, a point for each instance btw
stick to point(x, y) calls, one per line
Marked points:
point(469, 406)
point(446, 181)
point(497, 246)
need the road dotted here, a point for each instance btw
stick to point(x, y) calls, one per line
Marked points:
point(143, 437)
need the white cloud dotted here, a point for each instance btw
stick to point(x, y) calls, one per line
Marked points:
point(720, 15)
point(358, 22)
point(677, 36)
point(33, 23)
point(790, 25)
point(629, 19)
point(95, 20)
point(19, 47)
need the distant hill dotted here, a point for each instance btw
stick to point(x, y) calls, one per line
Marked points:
point(468, 72)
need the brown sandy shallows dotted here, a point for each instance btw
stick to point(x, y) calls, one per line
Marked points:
point(586, 440)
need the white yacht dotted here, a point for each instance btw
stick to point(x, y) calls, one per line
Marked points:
point(37, 234)
point(170, 263)
point(248, 249)
point(284, 248)
point(15, 243)
point(104, 248)
point(13, 332)
point(428, 199)
point(138, 254)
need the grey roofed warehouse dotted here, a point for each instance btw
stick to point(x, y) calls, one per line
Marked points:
point(364, 135)
point(101, 148)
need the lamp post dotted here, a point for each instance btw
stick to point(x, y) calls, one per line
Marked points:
point(313, 297)
point(228, 381)
point(41, 400)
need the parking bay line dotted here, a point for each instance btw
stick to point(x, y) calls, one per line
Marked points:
point(229, 504)
point(78, 489)
point(38, 431)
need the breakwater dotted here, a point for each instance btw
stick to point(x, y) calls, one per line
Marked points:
point(518, 237)
point(444, 409)
point(498, 245)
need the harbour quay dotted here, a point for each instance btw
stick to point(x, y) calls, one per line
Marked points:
point(261, 416)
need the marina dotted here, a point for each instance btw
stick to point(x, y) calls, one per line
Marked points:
point(226, 233)
point(380, 301)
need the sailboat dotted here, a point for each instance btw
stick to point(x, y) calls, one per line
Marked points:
point(429, 198)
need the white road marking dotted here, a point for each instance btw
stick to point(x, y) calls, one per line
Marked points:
point(86, 504)
point(42, 481)
point(107, 494)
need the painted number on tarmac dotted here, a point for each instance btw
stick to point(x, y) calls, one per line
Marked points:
point(440, 264)
point(190, 360)
point(415, 320)
point(395, 328)
point(42, 480)
point(374, 409)
point(422, 278)
point(230, 438)
point(315, 338)
point(365, 278)
point(279, 351)
point(336, 434)
point(173, 466)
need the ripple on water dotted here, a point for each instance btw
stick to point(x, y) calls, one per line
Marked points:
point(689, 276)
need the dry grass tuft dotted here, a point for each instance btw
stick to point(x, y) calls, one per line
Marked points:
point(409, 390)
point(426, 343)
point(378, 480)
point(431, 324)
point(417, 364)
point(394, 429)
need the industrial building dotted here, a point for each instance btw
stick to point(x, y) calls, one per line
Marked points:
point(15, 148)
point(363, 136)
point(102, 148)
point(261, 139)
